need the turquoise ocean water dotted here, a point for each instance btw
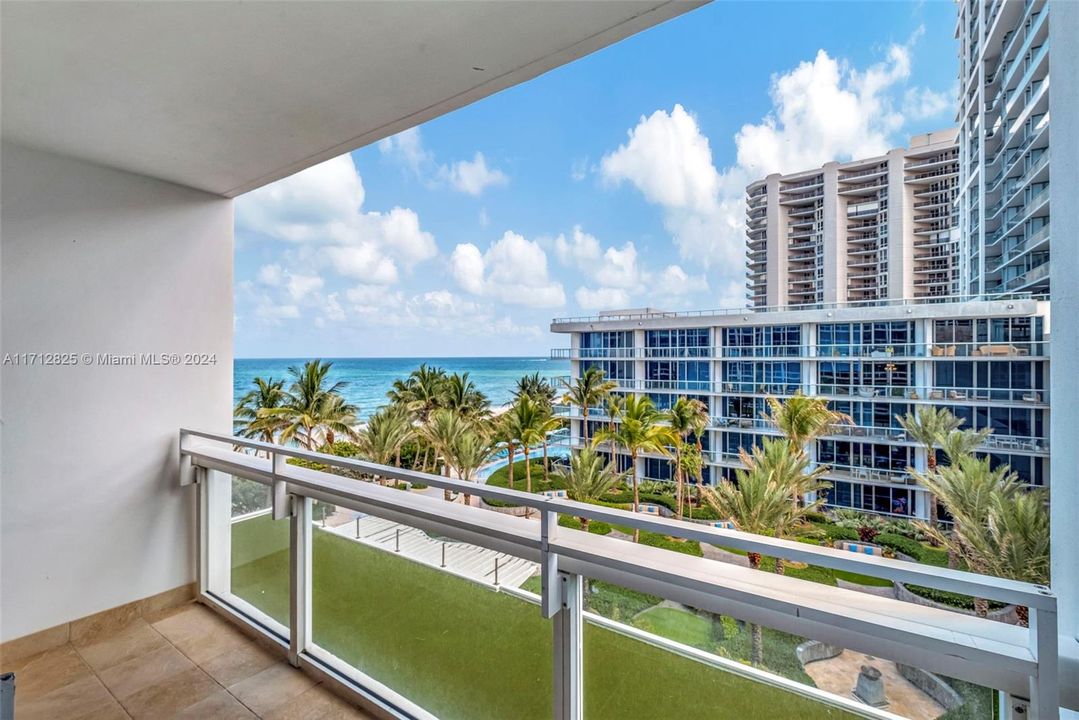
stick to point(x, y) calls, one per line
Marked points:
point(369, 378)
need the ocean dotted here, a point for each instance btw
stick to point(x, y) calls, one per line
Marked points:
point(370, 378)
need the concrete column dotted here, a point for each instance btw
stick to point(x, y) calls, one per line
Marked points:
point(835, 228)
point(638, 362)
point(1064, 370)
point(775, 246)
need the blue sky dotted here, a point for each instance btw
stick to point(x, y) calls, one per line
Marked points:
point(615, 181)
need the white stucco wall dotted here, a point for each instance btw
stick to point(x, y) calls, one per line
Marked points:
point(101, 261)
point(1064, 369)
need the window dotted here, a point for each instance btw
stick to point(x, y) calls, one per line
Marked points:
point(692, 342)
point(869, 338)
point(763, 341)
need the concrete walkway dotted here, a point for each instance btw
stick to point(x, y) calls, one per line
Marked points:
point(471, 561)
point(839, 674)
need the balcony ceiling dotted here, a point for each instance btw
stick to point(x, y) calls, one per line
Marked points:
point(226, 97)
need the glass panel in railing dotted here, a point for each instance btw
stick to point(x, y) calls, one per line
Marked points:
point(259, 551)
point(701, 664)
point(650, 657)
point(439, 622)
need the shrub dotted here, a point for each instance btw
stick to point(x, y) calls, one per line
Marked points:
point(596, 527)
point(816, 517)
point(834, 532)
point(689, 547)
point(900, 544)
point(964, 602)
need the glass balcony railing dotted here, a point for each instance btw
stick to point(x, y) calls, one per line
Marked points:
point(452, 610)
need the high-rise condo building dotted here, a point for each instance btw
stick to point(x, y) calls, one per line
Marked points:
point(879, 228)
point(1004, 144)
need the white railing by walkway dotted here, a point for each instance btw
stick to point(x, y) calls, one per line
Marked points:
point(1020, 662)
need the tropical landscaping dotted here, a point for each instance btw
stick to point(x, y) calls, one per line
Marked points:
point(440, 423)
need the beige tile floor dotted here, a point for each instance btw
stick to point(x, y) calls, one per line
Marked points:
point(187, 663)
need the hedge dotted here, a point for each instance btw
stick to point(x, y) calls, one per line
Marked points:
point(596, 527)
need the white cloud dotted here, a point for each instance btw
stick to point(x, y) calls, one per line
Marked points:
point(313, 204)
point(578, 170)
point(619, 268)
point(300, 286)
point(467, 176)
point(467, 267)
point(673, 281)
point(332, 309)
point(322, 207)
point(270, 275)
point(602, 298)
point(581, 250)
point(435, 311)
point(473, 176)
point(822, 110)
point(273, 314)
point(512, 270)
point(923, 103)
point(362, 262)
point(668, 160)
point(408, 146)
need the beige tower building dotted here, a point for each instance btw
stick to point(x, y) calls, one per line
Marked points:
point(880, 228)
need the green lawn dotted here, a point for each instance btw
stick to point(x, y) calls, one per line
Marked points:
point(678, 625)
point(462, 650)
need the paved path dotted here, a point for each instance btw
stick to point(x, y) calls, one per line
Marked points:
point(839, 674)
point(713, 553)
point(470, 561)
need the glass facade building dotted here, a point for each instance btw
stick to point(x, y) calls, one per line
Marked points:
point(985, 361)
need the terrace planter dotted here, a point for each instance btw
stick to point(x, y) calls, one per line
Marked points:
point(1005, 614)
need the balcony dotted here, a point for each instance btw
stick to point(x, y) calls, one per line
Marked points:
point(544, 618)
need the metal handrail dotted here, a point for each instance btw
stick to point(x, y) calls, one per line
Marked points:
point(999, 589)
point(890, 302)
point(1022, 663)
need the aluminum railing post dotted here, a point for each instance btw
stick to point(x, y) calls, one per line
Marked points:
point(300, 537)
point(281, 509)
point(550, 596)
point(1044, 688)
point(568, 626)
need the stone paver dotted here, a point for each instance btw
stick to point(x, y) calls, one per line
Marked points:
point(838, 675)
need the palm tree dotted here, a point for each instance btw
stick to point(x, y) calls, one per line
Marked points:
point(760, 502)
point(803, 419)
point(421, 393)
point(461, 395)
point(472, 449)
point(686, 417)
point(265, 394)
point(614, 405)
point(969, 489)
point(385, 434)
point(1015, 544)
point(442, 432)
point(961, 443)
point(586, 391)
point(530, 421)
point(692, 466)
point(509, 427)
point(639, 431)
point(588, 478)
point(550, 423)
point(313, 404)
point(536, 387)
point(927, 428)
